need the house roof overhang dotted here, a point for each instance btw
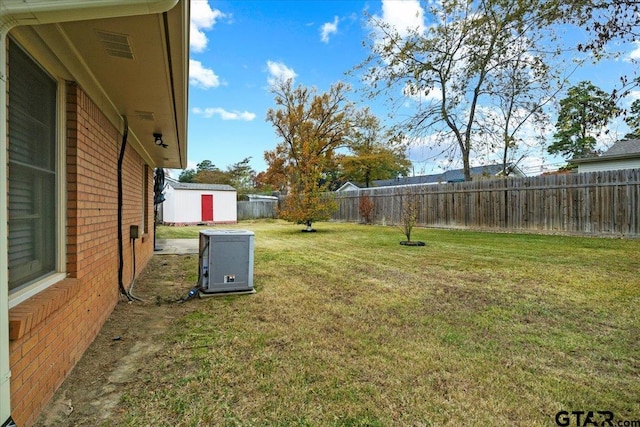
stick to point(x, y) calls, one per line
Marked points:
point(130, 56)
point(596, 159)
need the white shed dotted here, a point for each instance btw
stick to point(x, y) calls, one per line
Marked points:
point(621, 155)
point(192, 204)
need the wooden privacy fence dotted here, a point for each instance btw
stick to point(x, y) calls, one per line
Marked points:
point(599, 203)
point(257, 209)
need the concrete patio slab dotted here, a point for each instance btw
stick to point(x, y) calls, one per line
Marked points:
point(176, 246)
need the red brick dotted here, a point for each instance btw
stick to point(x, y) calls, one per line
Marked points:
point(59, 323)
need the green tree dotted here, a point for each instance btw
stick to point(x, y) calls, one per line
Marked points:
point(242, 176)
point(239, 175)
point(584, 112)
point(191, 175)
point(206, 165)
point(187, 175)
point(633, 120)
point(449, 69)
point(208, 173)
point(311, 127)
point(374, 153)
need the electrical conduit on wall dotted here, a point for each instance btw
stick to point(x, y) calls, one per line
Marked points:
point(123, 146)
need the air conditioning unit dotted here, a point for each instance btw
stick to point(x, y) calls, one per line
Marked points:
point(226, 261)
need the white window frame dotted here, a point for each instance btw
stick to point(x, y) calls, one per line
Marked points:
point(25, 292)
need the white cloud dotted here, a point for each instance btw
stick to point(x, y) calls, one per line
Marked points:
point(329, 28)
point(533, 165)
point(404, 15)
point(422, 94)
point(633, 95)
point(202, 77)
point(634, 55)
point(431, 153)
point(278, 71)
point(203, 18)
point(224, 114)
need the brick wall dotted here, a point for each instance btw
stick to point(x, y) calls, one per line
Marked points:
point(50, 331)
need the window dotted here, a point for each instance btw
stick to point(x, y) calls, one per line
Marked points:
point(32, 198)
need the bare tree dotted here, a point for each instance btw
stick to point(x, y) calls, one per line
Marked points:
point(409, 211)
point(459, 64)
point(605, 20)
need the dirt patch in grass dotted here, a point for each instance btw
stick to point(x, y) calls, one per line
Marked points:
point(129, 340)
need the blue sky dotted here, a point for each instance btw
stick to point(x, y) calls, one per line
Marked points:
point(238, 46)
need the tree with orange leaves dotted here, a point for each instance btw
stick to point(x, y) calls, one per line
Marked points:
point(312, 126)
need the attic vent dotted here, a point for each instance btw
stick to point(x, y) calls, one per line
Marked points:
point(144, 115)
point(116, 45)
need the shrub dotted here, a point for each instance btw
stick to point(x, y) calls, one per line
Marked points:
point(408, 213)
point(366, 208)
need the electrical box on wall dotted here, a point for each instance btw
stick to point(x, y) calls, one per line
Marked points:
point(134, 232)
point(226, 261)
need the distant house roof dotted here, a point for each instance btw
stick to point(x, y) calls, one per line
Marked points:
point(456, 175)
point(627, 149)
point(349, 186)
point(621, 148)
point(197, 186)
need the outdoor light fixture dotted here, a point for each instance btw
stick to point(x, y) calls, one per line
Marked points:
point(158, 140)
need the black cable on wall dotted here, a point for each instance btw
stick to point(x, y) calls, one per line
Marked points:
point(125, 135)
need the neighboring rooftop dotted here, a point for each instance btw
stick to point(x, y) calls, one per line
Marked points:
point(456, 175)
point(623, 148)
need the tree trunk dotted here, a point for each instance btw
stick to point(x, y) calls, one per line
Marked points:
point(466, 167)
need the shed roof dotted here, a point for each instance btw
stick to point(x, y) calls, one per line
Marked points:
point(197, 186)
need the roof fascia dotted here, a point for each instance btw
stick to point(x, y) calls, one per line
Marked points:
point(34, 12)
point(14, 13)
point(606, 158)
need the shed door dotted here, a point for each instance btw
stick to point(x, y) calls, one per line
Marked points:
point(207, 207)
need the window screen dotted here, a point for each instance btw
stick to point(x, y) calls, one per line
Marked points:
point(32, 170)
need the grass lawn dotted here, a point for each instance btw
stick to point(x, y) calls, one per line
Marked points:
point(349, 328)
